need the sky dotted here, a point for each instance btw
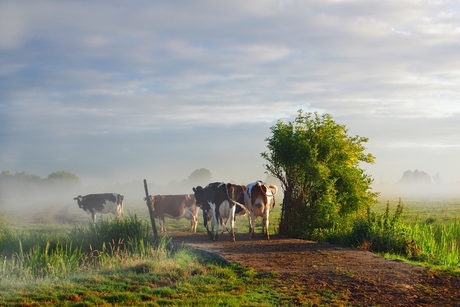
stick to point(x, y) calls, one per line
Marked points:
point(120, 91)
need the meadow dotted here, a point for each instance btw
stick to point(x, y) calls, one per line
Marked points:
point(55, 256)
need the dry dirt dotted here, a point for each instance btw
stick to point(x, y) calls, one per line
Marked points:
point(362, 278)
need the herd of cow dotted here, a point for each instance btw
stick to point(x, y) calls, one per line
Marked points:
point(220, 203)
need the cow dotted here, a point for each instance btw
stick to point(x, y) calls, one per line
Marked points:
point(207, 216)
point(239, 211)
point(260, 200)
point(219, 200)
point(175, 207)
point(102, 203)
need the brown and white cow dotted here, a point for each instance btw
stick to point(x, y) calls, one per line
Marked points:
point(102, 203)
point(175, 207)
point(260, 200)
point(219, 200)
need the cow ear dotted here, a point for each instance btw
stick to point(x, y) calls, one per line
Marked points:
point(193, 189)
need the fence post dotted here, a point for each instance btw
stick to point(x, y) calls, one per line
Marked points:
point(150, 206)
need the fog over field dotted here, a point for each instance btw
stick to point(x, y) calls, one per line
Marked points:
point(118, 92)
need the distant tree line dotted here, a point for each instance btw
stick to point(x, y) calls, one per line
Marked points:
point(419, 177)
point(63, 177)
point(20, 183)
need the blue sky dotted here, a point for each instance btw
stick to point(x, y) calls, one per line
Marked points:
point(125, 90)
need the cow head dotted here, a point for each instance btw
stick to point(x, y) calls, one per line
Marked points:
point(79, 198)
point(152, 201)
point(199, 195)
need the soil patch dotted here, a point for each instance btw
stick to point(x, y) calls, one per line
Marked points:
point(361, 277)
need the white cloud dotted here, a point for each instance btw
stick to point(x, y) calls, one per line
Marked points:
point(90, 72)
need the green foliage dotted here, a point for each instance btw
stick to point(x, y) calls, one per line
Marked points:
point(382, 232)
point(388, 233)
point(318, 165)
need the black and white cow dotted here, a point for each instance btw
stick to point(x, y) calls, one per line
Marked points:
point(102, 203)
point(219, 201)
point(260, 200)
point(175, 207)
point(239, 211)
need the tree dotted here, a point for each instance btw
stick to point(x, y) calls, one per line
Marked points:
point(416, 177)
point(318, 166)
point(64, 178)
point(200, 176)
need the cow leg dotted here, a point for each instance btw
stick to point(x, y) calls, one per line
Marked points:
point(94, 217)
point(253, 225)
point(232, 222)
point(249, 223)
point(221, 221)
point(119, 211)
point(265, 223)
point(215, 220)
point(263, 228)
point(215, 228)
point(162, 224)
point(193, 223)
point(205, 222)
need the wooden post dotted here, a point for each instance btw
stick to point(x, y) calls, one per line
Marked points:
point(150, 206)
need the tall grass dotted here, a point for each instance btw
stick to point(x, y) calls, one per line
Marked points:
point(436, 243)
point(25, 255)
point(389, 233)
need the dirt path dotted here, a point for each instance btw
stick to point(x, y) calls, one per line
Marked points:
point(362, 278)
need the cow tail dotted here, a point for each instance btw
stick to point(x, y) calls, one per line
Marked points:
point(235, 203)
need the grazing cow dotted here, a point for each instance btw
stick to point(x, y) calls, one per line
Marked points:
point(219, 200)
point(175, 207)
point(260, 200)
point(103, 203)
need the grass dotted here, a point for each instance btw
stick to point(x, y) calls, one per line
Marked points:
point(120, 276)
point(428, 236)
point(115, 263)
point(182, 279)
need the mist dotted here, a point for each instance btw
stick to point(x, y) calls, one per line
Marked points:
point(418, 184)
point(32, 199)
point(417, 191)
